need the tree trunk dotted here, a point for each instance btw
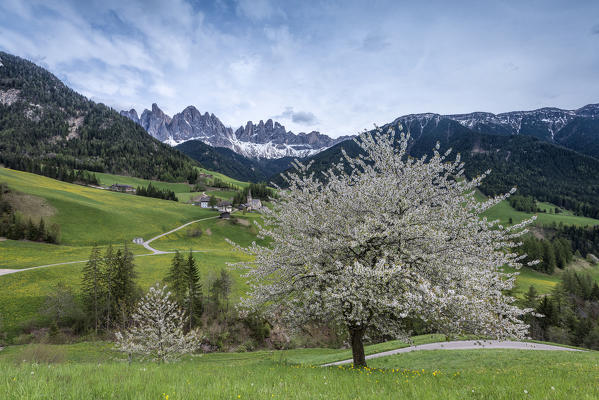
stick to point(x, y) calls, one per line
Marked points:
point(357, 346)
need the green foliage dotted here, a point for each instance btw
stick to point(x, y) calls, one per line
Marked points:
point(570, 315)
point(584, 239)
point(93, 287)
point(12, 225)
point(259, 191)
point(523, 203)
point(192, 303)
point(539, 169)
point(152, 191)
point(220, 291)
point(236, 166)
point(109, 288)
point(556, 253)
point(52, 130)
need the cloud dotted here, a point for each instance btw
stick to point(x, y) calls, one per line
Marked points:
point(258, 10)
point(374, 43)
point(353, 64)
point(298, 117)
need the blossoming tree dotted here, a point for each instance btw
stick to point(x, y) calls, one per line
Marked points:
point(157, 331)
point(384, 237)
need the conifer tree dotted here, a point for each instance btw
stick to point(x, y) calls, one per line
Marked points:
point(193, 295)
point(125, 288)
point(109, 277)
point(176, 278)
point(41, 231)
point(93, 286)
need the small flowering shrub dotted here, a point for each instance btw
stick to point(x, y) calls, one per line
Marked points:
point(157, 332)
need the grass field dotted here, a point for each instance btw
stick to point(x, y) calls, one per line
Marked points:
point(504, 211)
point(87, 215)
point(109, 179)
point(224, 178)
point(94, 371)
point(18, 254)
point(25, 292)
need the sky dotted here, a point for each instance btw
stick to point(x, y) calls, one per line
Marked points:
point(337, 67)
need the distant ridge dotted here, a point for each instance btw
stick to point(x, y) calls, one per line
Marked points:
point(267, 140)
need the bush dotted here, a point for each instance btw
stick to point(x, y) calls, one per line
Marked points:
point(557, 335)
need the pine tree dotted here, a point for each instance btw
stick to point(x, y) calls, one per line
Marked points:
point(41, 231)
point(549, 262)
point(109, 277)
point(531, 297)
point(125, 289)
point(176, 278)
point(31, 230)
point(221, 289)
point(193, 298)
point(92, 286)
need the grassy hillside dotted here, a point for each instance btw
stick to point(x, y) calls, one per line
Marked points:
point(110, 179)
point(91, 369)
point(87, 215)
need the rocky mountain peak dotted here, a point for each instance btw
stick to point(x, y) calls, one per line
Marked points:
point(267, 139)
point(131, 114)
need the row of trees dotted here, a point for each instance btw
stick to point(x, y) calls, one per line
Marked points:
point(584, 239)
point(524, 203)
point(109, 290)
point(570, 314)
point(153, 191)
point(551, 254)
point(219, 183)
point(14, 227)
point(52, 168)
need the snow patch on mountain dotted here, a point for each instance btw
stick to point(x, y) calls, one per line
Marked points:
point(263, 140)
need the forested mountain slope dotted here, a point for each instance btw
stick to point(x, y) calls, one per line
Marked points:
point(546, 171)
point(228, 162)
point(47, 128)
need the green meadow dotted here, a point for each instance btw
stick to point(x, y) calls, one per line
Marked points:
point(109, 179)
point(88, 215)
point(504, 211)
point(224, 178)
point(93, 370)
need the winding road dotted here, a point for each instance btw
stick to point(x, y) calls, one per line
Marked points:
point(463, 345)
point(146, 244)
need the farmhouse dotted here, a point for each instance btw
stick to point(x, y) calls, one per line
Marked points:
point(225, 206)
point(203, 202)
point(122, 188)
point(138, 240)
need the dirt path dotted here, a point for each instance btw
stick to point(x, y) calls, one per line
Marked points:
point(464, 345)
point(146, 244)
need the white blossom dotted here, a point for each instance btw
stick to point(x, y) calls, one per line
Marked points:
point(157, 331)
point(383, 237)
